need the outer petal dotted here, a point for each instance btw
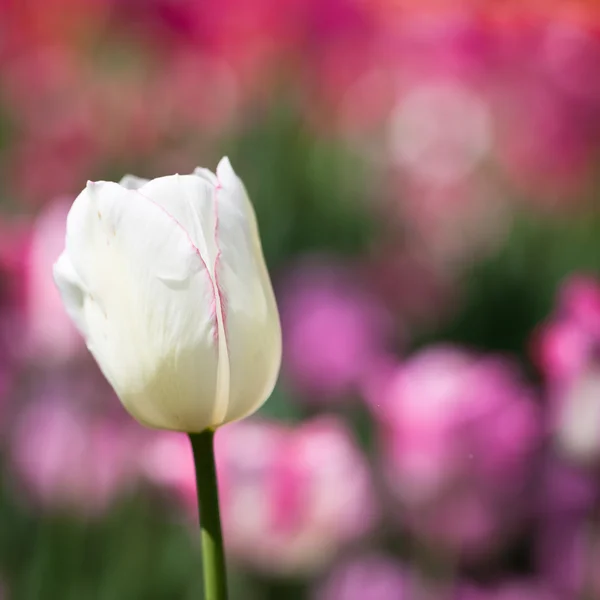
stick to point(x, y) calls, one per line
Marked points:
point(191, 201)
point(71, 290)
point(148, 309)
point(250, 315)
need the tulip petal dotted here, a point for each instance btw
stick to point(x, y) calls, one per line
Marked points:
point(250, 315)
point(147, 290)
point(131, 182)
point(71, 290)
point(207, 175)
point(190, 200)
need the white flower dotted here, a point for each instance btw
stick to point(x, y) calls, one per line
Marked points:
point(167, 282)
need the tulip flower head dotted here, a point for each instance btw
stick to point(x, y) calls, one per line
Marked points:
point(167, 282)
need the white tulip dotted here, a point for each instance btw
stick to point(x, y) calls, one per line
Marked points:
point(167, 282)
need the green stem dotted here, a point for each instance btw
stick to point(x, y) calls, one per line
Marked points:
point(213, 557)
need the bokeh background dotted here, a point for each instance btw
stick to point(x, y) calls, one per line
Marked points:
point(426, 182)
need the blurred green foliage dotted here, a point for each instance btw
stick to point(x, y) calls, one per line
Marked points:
point(504, 297)
point(310, 193)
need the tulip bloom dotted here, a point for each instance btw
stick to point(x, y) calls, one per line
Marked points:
point(167, 282)
point(459, 437)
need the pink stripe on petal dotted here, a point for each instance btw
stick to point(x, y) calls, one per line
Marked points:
point(213, 307)
point(218, 188)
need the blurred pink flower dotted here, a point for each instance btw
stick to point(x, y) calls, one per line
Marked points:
point(566, 343)
point(290, 498)
point(566, 349)
point(50, 335)
point(570, 55)
point(291, 506)
point(53, 100)
point(440, 131)
point(13, 245)
point(68, 460)
point(545, 132)
point(333, 330)
point(54, 22)
point(183, 100)
point(458, 436)
point(253, 40)
point(544, 150)
point(166, 460)
point(168, 22)
point(372, 577)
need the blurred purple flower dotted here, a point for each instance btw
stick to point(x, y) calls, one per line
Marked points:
point(567, 547)
point(67, 460)
point(568, 554)
point(372, 577)
point(511, 590)
point(458, 436)
point(566, 492)
point(333, 330)
point(567, 349)
point(290, 498)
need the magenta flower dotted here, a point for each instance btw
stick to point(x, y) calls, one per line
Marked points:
point(332, 330)
point(566, 349)
point(458, 437)
point(568, 340)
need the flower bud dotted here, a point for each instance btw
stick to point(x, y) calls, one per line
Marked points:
point(167, 282)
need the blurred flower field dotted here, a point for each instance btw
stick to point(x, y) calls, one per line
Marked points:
point(426, 184)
